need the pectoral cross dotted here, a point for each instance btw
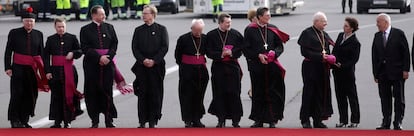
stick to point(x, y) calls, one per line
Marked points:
point(323, 51)
point(197, 55)
point(265, 46)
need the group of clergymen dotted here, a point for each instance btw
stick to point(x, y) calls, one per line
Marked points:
point(34, 67)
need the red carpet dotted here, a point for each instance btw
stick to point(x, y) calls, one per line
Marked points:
point(200, 132)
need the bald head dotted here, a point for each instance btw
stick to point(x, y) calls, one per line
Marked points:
point(383, 22)
point(320, 20)
point(197, 26)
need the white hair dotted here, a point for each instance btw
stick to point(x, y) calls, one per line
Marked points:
point(197, 22)
point(319, 15)
point(385, 16)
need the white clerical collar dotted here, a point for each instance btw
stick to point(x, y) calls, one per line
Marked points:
point(150, 23)
point(261, 25)
point(98, 24)
point(317, 29)
point(61, 35)
point(223, 30)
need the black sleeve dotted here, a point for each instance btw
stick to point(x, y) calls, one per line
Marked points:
point(237, 50)
point(178, 50)
point(405, 52)
point(374, 57)
point(279, 48)
point(77, 52)
point(135, 50)
point(213, 52)
point(114, 43)
point(87, 49)
point(306, 50)
point(42, 45)
point(46, 55)
point(249, 49)
point(159, 57)
point(8, 51)
point(354, 55)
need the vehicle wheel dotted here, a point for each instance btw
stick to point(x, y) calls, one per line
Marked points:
point(174, 11)
point(403, 10)
point(409, 8)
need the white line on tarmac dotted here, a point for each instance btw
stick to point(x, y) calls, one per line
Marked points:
point(45, 120)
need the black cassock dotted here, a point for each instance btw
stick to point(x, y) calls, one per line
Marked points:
point(268, 86)
point(61, 45)
point(226, 75)
point(23, 83)
point(193, 77)
point(98, 79)
point(149, 42)
point(316, 97)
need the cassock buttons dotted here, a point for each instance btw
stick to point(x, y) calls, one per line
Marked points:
point(153, 33)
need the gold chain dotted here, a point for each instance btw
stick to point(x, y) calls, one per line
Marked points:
point(196, 47)
point(322, 41)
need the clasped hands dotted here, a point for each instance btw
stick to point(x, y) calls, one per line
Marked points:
point(148, 63)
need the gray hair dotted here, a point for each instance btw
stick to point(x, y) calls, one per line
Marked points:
point(385, 16)
point(319, 15)
point(197, 22)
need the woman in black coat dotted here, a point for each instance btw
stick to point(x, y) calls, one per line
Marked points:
point(347, 50)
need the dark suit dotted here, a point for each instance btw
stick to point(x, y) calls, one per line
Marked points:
point(388, 64)
point(347, 54)
point(413, 53)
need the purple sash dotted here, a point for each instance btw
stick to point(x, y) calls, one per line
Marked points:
point(119, 79)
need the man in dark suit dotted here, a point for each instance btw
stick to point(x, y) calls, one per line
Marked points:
point(391, 64)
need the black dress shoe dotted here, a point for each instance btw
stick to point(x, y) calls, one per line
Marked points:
point(56, 126)
point(257, 125)
point(17, 124)
point(221, 124)
point(198, 124)
point(152, 124)
point(188, 124)
point(397, 126)
point(94, 125)
point(26, 125)
point(383, 127)
point(340, 125)
point(109, 125)
point(235, 124)
point(272, 125)
point(67, 125)
point(78, 112)
point(353, 125)
point(141, 125)
point(319, 125)
point(306, 124)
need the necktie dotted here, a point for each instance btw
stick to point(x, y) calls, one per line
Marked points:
point(384, 38)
